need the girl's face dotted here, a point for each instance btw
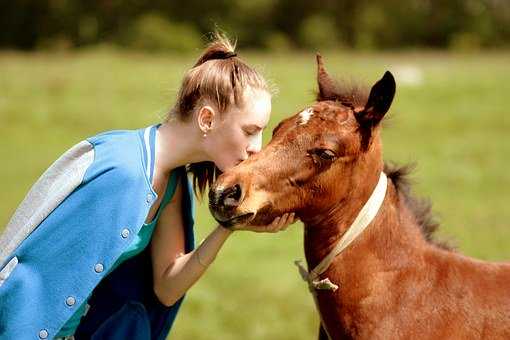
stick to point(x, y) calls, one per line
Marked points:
point(237, 133)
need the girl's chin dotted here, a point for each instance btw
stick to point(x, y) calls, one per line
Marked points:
point(224, 167)
point(227, 166)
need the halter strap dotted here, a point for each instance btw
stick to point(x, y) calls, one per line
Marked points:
point(363, 219)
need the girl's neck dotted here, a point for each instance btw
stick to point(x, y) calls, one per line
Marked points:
point(177, 144)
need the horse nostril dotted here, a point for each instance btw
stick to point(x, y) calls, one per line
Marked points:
point(230, 197)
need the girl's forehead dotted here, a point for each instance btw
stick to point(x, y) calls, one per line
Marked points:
point(256, 108)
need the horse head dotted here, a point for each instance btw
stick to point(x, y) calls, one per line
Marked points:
point(315, 159)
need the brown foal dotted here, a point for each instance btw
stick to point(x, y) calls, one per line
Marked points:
point(394, 281)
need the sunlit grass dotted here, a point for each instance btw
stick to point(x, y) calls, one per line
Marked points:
point(455, 125)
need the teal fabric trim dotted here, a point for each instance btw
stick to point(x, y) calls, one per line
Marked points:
point(140, 241)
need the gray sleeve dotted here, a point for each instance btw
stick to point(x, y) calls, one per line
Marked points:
point(54, 185)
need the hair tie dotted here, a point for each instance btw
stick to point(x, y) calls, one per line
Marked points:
point(222, 55)
point(215, 55)
point(230, 55)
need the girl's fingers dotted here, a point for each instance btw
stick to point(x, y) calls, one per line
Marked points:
point(288, 220)
point(282, 221)
point(293, 218)
point(274, 224)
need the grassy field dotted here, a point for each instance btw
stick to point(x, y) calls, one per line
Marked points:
point(453, 122)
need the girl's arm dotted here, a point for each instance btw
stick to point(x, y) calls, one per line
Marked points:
point(174, 273)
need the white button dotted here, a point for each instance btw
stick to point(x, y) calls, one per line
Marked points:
point(43, 334)
point(124, 233)
point(98, 268)
point(70, 301)
point(149, 197)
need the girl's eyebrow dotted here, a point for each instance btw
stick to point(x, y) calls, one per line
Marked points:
point(253, 126)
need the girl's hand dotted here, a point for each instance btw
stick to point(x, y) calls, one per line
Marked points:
point(279, 224)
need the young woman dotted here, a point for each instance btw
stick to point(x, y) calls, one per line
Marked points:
point(102, 245)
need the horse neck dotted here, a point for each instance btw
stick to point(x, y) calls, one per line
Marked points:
point(394, 225)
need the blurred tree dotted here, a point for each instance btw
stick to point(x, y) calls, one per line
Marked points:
point(153, 32)
point(30, 24)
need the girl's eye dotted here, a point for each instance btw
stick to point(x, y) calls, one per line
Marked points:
point(249, 133)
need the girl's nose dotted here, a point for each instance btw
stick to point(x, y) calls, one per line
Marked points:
point(255, 144)
point(253, 148)
point(251, 152)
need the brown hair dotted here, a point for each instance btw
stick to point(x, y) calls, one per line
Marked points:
point(219, 77)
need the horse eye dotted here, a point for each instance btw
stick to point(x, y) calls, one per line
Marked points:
point(326, 154)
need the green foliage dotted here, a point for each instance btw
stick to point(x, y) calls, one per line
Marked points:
point(318, 32)
point(277, 41)
point(153, 32)
point(365, 24)
point(371, 24)
point(465, 41)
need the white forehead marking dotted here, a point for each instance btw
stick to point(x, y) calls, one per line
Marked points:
point(305, 115)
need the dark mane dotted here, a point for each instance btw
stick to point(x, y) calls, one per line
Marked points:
point(351, 93)
point(420, 207)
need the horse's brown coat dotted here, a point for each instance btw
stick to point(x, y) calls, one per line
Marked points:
point(395, 281)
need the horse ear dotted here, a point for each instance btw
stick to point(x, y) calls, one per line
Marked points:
point(379, 101)
point(326, 84)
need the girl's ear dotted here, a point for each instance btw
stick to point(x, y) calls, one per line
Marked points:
point(205, 118)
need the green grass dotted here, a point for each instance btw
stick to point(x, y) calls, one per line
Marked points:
point(455, 126)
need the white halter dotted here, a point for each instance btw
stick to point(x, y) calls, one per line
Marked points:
point(365, 216)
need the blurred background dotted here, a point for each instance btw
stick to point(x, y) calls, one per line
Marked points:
point(71, 69)
point(162, 25)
